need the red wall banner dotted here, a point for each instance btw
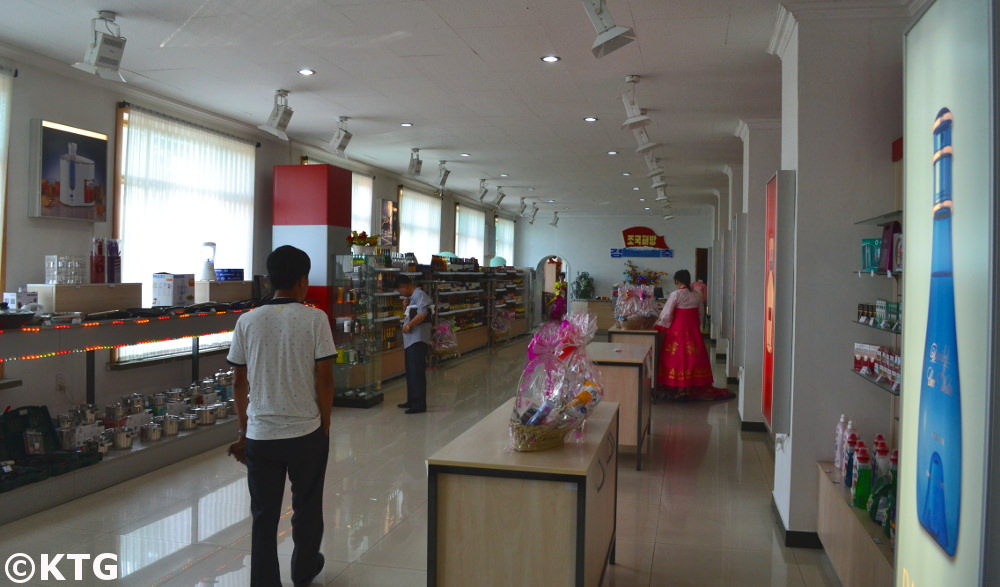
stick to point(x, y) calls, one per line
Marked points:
point(641, 236)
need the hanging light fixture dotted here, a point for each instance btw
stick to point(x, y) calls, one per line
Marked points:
point(443, 173)
point(338, 144)
point(103, 56)
point(482, 190)
point(415, 163)
point(280, 116)
point(610, 36)
point(500, 196)
point(524, 205)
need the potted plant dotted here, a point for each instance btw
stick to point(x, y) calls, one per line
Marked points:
point(361, 243)
point(583, 286)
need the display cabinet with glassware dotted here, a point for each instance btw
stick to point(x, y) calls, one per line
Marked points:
point(354, 309)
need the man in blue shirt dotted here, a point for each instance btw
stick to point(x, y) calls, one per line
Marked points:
point(416, 343)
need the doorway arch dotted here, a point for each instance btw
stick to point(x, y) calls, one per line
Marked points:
point(545, 274)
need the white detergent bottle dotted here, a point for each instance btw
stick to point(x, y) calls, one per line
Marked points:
point(838, 445)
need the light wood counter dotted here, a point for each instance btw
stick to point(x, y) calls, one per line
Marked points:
point(523, 518)
point(603, 311)
point(626, 375)
point(651, 337)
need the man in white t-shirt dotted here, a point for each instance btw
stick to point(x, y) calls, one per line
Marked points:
point(282, 353)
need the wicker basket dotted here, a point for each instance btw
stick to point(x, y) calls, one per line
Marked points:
point(534, 438)
point(637, 323)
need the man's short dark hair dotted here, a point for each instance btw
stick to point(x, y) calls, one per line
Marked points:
point(286, 265)
point(403, 280)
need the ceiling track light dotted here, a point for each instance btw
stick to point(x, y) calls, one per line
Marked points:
point(482, 190)
point(103, 56)
point(341, 138)
point(636, 117)
point(668, 216)
point(524, 205)
point(659, 182)
point(555, 219)
point(280, 116)
point(443, 173)
point(534, 212)
point(500, 196)
point(654, 172)
point(643, 148)
point(610, 37)
point(415, 163)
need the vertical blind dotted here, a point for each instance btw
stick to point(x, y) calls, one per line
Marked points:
point(361, 203)
point(419, 224)
point(470, 232)
point(6, 90)
point(182, 185)
point(505, 239)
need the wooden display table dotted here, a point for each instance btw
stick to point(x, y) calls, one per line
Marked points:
point(650, 337)
point(603, 311)
point(857, 547)
point(625, 374)
point(523, 518)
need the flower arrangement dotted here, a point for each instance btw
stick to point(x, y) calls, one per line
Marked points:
point(583, 286)
point(636, 276)
point(362, 239)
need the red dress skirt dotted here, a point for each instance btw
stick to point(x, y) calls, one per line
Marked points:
point(685, 371)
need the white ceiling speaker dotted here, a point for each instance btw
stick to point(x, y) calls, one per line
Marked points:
point(482, 190)
point(280, 116)
point(443, 173)
point(338, 144)
point(555, 219)
point(103, 56)
point(524, 205)
point(610, 37)
point(415, 163)
point(500, 196)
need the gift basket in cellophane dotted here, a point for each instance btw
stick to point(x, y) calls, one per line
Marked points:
point(559, 386)
point(635, 307)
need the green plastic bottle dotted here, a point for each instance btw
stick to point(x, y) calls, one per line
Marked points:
point(862, 484)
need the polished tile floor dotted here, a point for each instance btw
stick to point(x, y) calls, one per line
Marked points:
point(699, 513)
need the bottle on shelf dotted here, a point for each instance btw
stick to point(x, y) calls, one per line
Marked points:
point(847, 470)
point(889, 512)
point(838, 444)
point(862, 483)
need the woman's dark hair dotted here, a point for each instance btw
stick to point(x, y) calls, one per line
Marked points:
point(683, 276)
point(286, 265)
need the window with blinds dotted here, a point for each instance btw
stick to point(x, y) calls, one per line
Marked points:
point(505, 239)
point(470, 232)
point(419, 224)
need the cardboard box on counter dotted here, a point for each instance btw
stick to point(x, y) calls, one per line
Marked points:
point(19, 299)
point(173, 289)
point(88, 297)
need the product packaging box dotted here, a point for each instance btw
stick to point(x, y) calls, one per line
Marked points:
point(172, 289)
point(19, 299)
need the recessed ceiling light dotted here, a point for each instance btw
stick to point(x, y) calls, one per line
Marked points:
point(551, 201)
point(642, 199)
point(612, 152)
point(550, 58)
point(307, 71)
point(635, 189)
point(504, 175)
point(531, 189)
point(646, 208)
point(464, 155)
point(626, 173)
point(590, 119)
point(406, 124)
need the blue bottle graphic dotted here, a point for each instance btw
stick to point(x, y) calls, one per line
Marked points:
point(939, 443)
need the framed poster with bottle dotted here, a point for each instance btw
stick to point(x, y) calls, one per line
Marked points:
point(69, 172)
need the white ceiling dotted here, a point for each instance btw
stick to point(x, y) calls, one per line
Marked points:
point(467, 74)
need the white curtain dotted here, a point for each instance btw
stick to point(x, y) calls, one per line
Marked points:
point(6, 90)
point(505, 239)
point(470, 233)
point(361, 203)
point(419, 225)
point(182, 185)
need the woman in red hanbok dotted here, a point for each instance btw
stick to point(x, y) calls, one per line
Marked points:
point(685, 372)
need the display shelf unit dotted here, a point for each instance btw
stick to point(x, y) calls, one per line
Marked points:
point(882, 219)
point(354, 309)
point(460, 296)
point(507, 291)
point(116, 467)
point(856, 546)
point(39, 342)
point(877, 327)
point(878, 382)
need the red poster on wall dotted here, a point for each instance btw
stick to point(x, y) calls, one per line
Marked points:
point(770, 256)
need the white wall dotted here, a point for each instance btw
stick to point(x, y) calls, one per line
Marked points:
point(586, 243)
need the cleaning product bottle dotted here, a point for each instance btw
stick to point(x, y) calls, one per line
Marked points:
point(848, 470)
point(888, 513)
point(838, 443)
point(881, 468)
point(862, 479)
point(939, 436)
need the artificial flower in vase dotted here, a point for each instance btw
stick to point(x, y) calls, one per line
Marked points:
point(361, 243)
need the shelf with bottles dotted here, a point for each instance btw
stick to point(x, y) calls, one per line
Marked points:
point(354, 312)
